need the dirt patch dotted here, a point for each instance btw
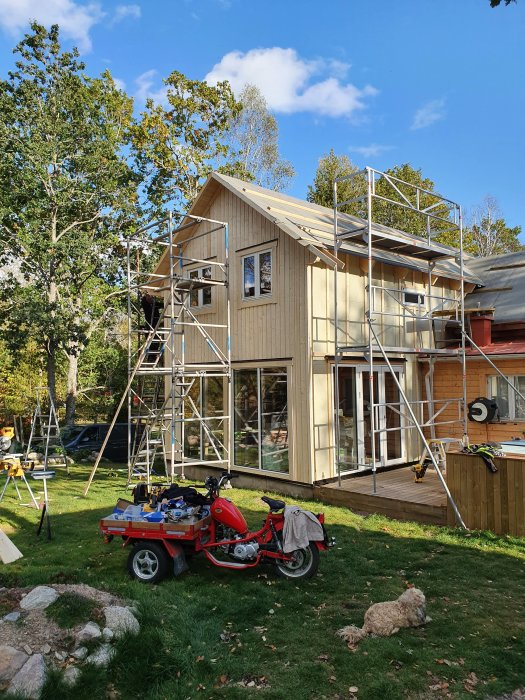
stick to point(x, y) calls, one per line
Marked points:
point(36, 630)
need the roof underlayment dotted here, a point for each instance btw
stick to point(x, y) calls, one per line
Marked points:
point(313, 225)
point(504, 286)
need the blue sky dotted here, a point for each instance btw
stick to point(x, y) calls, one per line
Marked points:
point(436, 83)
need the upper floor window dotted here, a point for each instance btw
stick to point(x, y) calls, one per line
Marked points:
point(510, 404)
point(202, 295)
point(257, 275)
point(413, 298)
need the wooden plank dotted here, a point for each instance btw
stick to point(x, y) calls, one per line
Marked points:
point(520, 505)
point(511, 494)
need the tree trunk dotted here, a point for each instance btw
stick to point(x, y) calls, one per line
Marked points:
point(72, 377)
point(51, 371)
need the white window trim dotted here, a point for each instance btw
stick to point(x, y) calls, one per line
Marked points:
point(256, 254)
point(200, 292)
point(511, 396)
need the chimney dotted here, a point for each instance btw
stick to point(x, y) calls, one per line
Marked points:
point(481, 328)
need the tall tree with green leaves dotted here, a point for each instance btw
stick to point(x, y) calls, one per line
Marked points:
point(253, 137)
point(331, 167)
point(178, 144)
point(67, 195)
point(416, 193)
point(487, 233)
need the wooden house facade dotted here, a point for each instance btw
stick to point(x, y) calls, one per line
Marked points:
point(281, 272)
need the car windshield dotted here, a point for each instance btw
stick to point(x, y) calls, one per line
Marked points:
point(71, 432)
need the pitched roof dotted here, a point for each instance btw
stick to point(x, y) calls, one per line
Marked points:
point(503, 277)
point(313, 225)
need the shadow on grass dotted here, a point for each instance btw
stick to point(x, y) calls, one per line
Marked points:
point(210, 629)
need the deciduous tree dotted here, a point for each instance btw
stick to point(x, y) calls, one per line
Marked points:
point(177, 145)
point(330, 168)
point(253, 138)
point(67, 195)
point(487, 232)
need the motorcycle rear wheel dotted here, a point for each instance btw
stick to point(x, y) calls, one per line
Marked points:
point(304, 564)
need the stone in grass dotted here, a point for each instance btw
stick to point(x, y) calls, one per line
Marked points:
point(121, 620)
point(71, 675)
point(107, 634)
point(29, 681)
point(11, 661)
point(39, 598)
point(102, 656)
point(90, 631)
point(80, 653)
point(12, 616)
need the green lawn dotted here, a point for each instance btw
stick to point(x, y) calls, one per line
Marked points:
point(285, 631)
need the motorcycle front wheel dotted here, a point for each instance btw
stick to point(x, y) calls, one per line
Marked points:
point(303, 564)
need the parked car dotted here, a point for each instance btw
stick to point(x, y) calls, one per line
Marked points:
point(90, 438)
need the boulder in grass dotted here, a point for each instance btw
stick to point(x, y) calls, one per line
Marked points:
point(11, 661)
point(71, 676)
point(102, 656)
point(39, 598)
point(90, 631)
point(29, 681)
point(121, 620)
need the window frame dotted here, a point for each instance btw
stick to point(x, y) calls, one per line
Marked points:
point(256, 255)
point(259, 370)
point(200, 306)
point(510, 396)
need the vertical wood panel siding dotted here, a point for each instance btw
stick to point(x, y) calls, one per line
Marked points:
point(486, 500)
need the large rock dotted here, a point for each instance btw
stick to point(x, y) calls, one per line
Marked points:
point(11, 661)
point(102, 656)
point(90, 631)
point(71, 675)
point(39, 598)
point(29, 681)
point(121, 620)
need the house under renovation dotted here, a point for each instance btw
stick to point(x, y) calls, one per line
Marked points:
point(301, 345)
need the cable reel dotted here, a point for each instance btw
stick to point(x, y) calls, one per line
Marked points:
point(482, 410)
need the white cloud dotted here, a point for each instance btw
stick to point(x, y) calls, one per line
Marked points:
point(123, 11)
point(287, 81)
point(371, 151)
point(75, 20)
point(145, 90)
point(119, 84)
point(431, 112)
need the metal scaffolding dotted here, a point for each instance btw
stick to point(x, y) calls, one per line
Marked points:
point(438, 214)
point(179, 394)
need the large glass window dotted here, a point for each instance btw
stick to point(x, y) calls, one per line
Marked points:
point(202, 295)
point(204, 419)
point(257, 275)
point(261, 418)
point(510, 404)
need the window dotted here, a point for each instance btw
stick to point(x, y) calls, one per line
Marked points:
point(257, 275)
point(413, 298)
point(510, 404)
point(204, 416)
point(261, 418)
point(202, 296)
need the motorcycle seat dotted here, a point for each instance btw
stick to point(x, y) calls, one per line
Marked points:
point(273, 503)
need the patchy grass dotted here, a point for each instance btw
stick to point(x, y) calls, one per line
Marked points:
point(71, 609)
point(212, 632)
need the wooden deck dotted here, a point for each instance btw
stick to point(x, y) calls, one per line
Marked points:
point(397, 496)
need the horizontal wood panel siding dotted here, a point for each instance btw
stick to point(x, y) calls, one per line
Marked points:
point(448, 384)
point(486, 500)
